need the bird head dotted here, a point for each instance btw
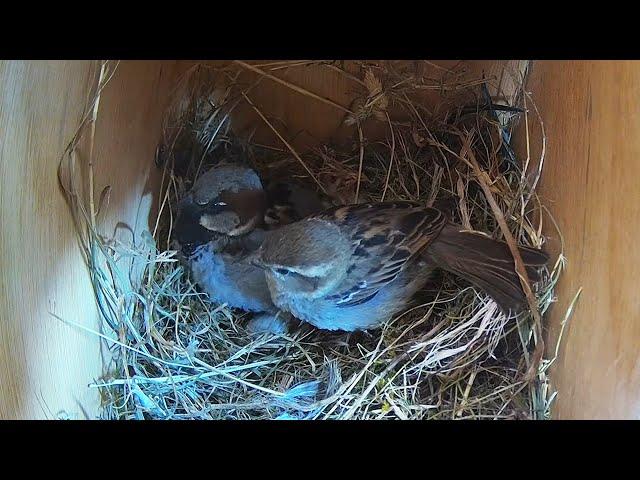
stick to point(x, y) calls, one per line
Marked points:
point(307, 258)
point(226, 201)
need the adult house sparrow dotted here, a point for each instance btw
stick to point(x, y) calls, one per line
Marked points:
point(222, 220)
point(352, 267)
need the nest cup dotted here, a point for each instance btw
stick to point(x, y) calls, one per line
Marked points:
point(410, 131)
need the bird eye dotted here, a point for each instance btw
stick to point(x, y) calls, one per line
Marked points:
point(282, 271)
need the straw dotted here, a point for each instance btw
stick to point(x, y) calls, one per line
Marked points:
point(453, 354)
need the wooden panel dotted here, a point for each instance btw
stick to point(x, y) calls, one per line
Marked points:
point(591, 113)
point(45, 366)
point(305, 121)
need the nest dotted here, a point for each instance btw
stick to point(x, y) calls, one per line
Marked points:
point(455, 355)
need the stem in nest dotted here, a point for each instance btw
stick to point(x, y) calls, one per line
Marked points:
point(482, 179)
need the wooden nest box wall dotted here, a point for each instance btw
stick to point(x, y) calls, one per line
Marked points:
point(591, 123)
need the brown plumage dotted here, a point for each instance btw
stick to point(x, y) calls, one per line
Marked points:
point(486, 263)
point(398, 232)
point(220, 222)
point(350, 267)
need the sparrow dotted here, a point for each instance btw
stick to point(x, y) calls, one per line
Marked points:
point(221, 220)
point(218, 224)
point(352, 267)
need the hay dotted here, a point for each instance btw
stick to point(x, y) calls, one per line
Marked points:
point(175, 355)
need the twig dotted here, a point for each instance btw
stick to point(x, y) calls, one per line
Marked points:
point(285, 63)
point(345, 73)
point(292, 86)
point(393, 150)
point(542, 153)
point(483, 180)
point(291, 149)
point(94, 116)
point(360, 136)
point(467, 390)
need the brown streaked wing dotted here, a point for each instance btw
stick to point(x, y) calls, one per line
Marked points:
point(385, 237)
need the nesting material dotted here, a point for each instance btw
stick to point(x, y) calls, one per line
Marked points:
point(454, 355)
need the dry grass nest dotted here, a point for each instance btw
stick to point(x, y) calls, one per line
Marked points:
point(176, 355)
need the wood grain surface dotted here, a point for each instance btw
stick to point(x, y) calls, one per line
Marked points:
point(45, 365)
point(306, 122)
point(591, 113)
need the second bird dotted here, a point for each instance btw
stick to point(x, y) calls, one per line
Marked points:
point(221, 220)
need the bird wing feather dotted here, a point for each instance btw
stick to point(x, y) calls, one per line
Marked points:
point(384, 238)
